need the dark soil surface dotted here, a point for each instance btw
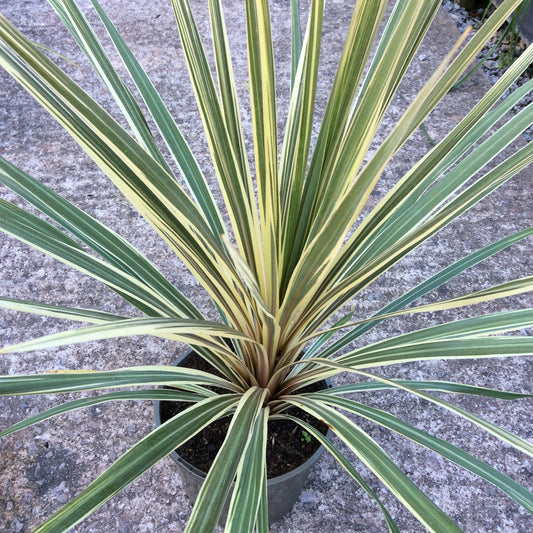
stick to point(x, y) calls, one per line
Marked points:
point(287, 446)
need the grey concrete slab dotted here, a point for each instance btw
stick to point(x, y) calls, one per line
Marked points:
point(45, 465)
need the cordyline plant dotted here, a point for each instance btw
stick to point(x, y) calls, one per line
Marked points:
point(293, 255)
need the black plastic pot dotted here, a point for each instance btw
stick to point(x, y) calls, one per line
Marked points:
point(283, 491)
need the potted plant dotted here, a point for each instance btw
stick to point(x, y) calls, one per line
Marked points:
point(283, 259)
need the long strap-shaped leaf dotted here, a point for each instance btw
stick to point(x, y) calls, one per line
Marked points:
point(230, 365)
point(447, 450)
point(442, 386)
point(264, 121)
point(365, 22)
point(226, 83)
point(167, 126)
point(158, 394)
point(380, 464)
point(439, 349)
point(108, 244)
point(295, 151)
point(462, 348)
point(57, 382)
point(473, 194)
point(147, 452)
point(377, 227)
point(296, 39)
point(251, 479)
point(480, 326)
point(153, 192)
point(449, 184)
point(202, 332)
point(427, 98)
point(426, 286)
point(262, 513)
point(405, 243)
point(360, 188)
point(296, 142)
point(45, 237)
point(234, 180)
point(91, 316)
point(518, 286)
point(313, 261)
point(212, 495)
point(87, 40)
point(380, 85)
point(502, 434)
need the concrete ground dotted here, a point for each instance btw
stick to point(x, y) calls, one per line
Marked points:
point(42, 467)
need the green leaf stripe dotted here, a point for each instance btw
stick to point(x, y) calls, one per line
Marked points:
point(81, 31)
point(443, 349)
